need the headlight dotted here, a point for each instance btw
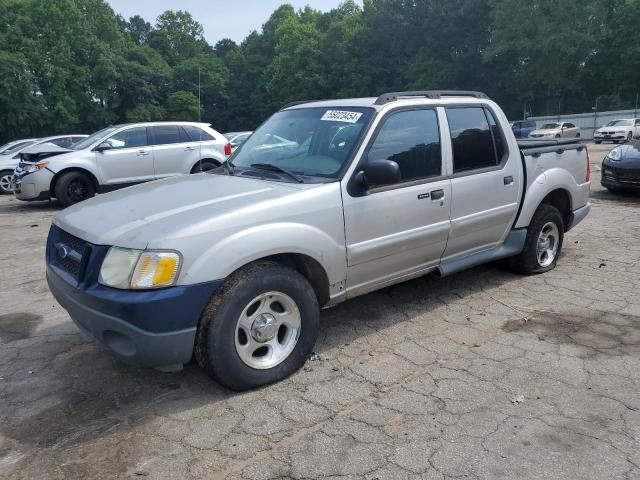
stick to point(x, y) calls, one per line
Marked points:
point(615, 154)
point(139, 270)
point(34, 167)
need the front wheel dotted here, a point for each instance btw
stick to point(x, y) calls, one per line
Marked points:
point(74, 187)
point(629, 137)
point(5, 182)
point(259, 328)
point(543, 242)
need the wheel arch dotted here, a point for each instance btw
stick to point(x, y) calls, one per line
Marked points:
point(560, 198)
point(209, 158)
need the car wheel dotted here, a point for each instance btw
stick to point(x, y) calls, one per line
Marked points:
point(543, 243)
point(613, 189)
point(74, 187)
point(578, 135)
point(204, 166)
point(259, 328)
point(5, 182)
point(629, 137)
point(598, 142)
point(557, 135)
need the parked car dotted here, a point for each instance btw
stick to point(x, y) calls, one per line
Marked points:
point(7, 148)
point(522, 128)
point(622, 130)
point(233, 267)
point(556, 130)
point(9, 161)
point(236, 139)
point(120, 156)
point(621, 168)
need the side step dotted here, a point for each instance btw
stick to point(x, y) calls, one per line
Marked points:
point(513, 245)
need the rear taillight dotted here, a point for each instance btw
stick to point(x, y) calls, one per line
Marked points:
point(227, 149)
point(588, 176)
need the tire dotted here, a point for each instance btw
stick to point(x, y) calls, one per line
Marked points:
point(204, 166)
point(74, 187)
point(629, 137)
point(558, 135)
point(5, 182)
point(598, 142)
point(228, 344)
point(578, 135)
point(529, 262)
point(613, 189)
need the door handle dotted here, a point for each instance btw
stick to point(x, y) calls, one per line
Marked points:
point(437, 194)
point(189, 149)
point(508, 180)
point(142, 153)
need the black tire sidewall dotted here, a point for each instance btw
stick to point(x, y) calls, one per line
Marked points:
point(527, 261)
point(222, 359)
point(63, 183)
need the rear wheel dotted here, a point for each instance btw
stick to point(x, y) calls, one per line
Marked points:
point(259, 328)
point(74, 187)
point(629, 137)
point(5, 181)
point(204, 166)
point(543, 243)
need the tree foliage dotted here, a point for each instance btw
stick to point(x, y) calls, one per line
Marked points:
point(75, 66)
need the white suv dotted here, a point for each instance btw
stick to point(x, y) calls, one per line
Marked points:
point(117, 157)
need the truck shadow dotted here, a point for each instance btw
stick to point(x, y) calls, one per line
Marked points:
point(60, 390)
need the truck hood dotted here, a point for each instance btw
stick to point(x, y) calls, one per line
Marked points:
point(135, 216)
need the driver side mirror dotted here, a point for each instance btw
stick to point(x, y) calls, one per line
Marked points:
point(379, 173)
point(103, 146)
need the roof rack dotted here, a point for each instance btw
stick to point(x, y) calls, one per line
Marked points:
point(432, 94)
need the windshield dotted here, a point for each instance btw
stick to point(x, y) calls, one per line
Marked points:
point(309, 141)
point(550, 126)
point(87, 142)
point(620, 123)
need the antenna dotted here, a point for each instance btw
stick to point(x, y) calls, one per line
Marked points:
point(199, 117)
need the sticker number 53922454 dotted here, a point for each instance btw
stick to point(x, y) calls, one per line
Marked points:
point(341, 116)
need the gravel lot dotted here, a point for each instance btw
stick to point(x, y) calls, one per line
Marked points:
point(485, 374)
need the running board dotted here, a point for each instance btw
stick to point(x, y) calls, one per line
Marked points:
point(513, 245)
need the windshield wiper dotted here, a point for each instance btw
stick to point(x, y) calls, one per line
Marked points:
point(276, 168)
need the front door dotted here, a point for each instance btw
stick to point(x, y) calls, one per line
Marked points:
point(486, 183)
point(129, 160)
point(399, 230)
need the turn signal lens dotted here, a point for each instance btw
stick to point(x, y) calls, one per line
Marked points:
point(156, 270)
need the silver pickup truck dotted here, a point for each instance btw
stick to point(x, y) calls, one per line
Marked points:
point(327, 200)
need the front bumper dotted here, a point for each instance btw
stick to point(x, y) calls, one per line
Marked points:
point(32, 186)
point(622, 178)
point(613, 137)
point(154, 328)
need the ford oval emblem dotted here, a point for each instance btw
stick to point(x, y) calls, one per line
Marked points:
point(62, 251)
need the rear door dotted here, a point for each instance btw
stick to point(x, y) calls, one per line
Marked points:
point(174, 151)
point(397, 230)
point(129, 160)
point(485, 184)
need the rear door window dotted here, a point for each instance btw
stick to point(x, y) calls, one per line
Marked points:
point(472, 137)
point(166, 134)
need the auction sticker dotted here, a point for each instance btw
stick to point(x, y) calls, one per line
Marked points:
point(341, 116)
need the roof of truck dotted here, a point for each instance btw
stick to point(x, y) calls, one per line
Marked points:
point(385, 98)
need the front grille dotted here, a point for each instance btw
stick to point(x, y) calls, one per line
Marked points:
point(628, 177)
point(67, 252)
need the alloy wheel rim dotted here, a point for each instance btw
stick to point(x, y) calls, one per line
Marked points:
point(547, 246)
point(78, 189)
point(5, 183)
point(267, 330)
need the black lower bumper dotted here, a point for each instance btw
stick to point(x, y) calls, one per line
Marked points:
point(112, 317)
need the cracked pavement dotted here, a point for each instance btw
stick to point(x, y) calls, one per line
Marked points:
point(482, 375)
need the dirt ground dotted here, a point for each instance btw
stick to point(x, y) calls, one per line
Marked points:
point(485, 374)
